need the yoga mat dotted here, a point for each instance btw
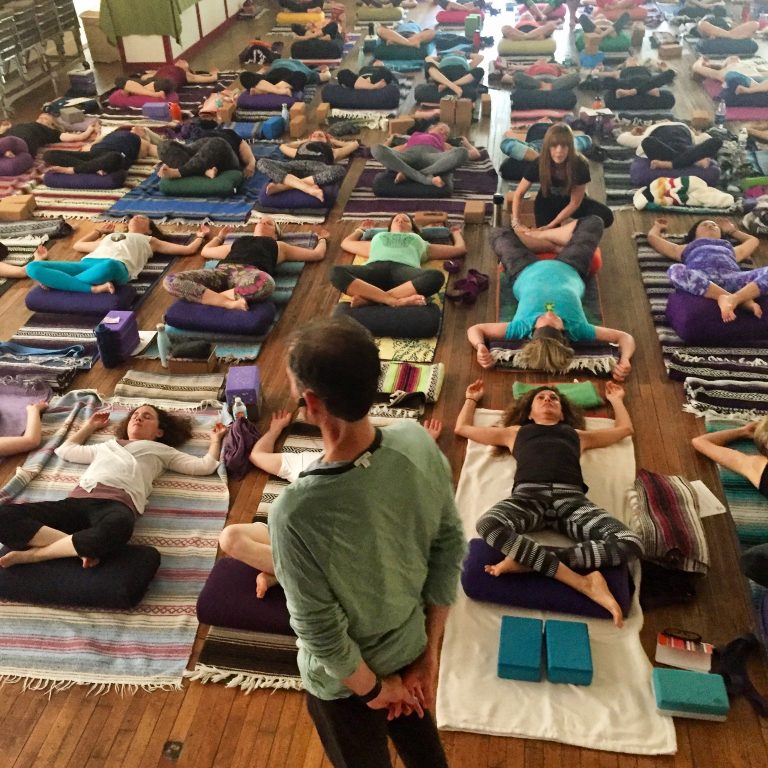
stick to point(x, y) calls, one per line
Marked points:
point(20, 252)
point(617, 712)
point(736, 114)
point(50, 648)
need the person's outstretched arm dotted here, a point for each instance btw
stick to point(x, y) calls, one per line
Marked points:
point(175, 249)
point(457, 248)
point(465, 427)
point(263, 453)
point(626, 344)
point(31, 437)
point(660, 244)
point(748, 244)
point(713, 445)
point(622, 427)
point(216, 248)
point(481, 333)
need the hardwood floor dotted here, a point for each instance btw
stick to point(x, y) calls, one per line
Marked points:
point(216, 726)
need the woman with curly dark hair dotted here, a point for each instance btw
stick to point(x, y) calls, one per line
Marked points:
point(545, 435)
point(97, 518)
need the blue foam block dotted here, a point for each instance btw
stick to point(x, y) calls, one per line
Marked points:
point(683, 693)
point(569, 658)
point(520, 649)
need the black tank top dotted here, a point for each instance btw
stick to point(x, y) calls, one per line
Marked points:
point(548, 454)
point(254, 250)
point(320, 151)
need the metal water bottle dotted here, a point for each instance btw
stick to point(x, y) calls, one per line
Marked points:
point(498, 208)
point(163, 344)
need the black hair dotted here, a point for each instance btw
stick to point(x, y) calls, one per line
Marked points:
point(691, 236)
point(337, 359)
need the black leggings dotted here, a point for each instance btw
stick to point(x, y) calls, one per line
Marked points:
point(196, 158)
point(355, 736)
point(297, 80)
point(642, 84)
point(387, 275)
point(546, 209)
point(86, 162)
point(99, 527)
point(681, 156)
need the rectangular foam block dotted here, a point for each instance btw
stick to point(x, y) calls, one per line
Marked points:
point(682, 693)
point(430, 218)
point(447, 111)
point(463, 116)
point(156, 110)
point(122, 324)
point(83, 82)
point(485, 105)
point(472, 23)
point(297, 108)
point(190, 365)
point(298, 127)
point(321, 113)
point(17, 207)
point(638, 34)
point(670, 51)
point(520, 652)
point(400, 124)
point(226, 114)
point(244, 381)
point(569, 657)
point(701, 119)
point(474, 212)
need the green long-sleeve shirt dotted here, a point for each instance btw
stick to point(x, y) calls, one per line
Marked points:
point(360, 552)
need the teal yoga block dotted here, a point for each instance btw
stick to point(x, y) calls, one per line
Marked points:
point(520, 649)
point(569, 657)
point(683, 693)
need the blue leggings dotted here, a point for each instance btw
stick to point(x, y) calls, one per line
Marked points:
point(77, 275)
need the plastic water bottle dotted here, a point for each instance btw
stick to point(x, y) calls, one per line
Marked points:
point(286, 115)
point(498, 208)
point(163, 344)
point(720, 113)
point(360, 58)
point(238, 409)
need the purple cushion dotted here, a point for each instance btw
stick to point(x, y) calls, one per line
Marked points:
point(641, 173)
point(228, 599)
point(267, 100)
point(294, 198)
point(349, 98)
point(397, 322)
point(119, 581)
point(200, 317)
point(119, 98)
point(534, 591)
point(74, 302)
point(13, 166)
point(698, 320)
point(84, 180)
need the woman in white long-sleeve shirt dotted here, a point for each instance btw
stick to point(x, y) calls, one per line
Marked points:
point(97, 517)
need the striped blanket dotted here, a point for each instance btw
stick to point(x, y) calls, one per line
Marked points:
point(53, 648)
point(20, 252)
point(618, 187)
point(475, 180)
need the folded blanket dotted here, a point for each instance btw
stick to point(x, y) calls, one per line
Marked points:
point(688, 191)
point(412, 377)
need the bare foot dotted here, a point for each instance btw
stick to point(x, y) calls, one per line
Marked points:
point(655, 92)
point(15, 557)
point(727, 308)
point(212, 173)
point(661, 164)
point(168, 173)
point(704, 162)
point(103, 288)
point(318, 193)
point(239, 303)
point(263, 582)
point(752, 306)
point(545, 86)
point(507, 565)
point(90, 562)
point(622, 93)
point(359, 301)
point(41, 253)
point(742, 89)
point(437, 182)
point(399, 177)
point(596, 589)
point(416, 300)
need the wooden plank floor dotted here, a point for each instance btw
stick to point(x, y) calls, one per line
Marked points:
point(220, 727)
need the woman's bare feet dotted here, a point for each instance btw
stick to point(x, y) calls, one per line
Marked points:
point(399, 177)
point(623, 93)
point(507, 565)
point(212, 173)
point(316, 192)
point(727, 307)
point(166, 172)
point(15, 557)
point(61, 169)
point(359, 301)
point(752, 306)
point(596, 589)
point(263, 582)
point(705, 162)
point(90, 562)
point(103, 288)
point(416, 300)
point(437, 182)
point(661, 163)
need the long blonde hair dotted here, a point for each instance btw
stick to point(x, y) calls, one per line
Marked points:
point(546, 354)
point(760, 436)
point(558, 135)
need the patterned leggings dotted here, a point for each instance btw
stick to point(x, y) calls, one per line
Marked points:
point(248, 282)
point(695, 276)
point(323, 174)
point(603, 540)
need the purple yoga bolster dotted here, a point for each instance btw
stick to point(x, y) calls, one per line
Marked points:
point(267, 101)
point(534, 591)
point(697, 319)
point(84, 180)
point(228, 599)
point(13, 166)
point(199, 317)
point(641, 174)
point(294, 198)
point(75, 302)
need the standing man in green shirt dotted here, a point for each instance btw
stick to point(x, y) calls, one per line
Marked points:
point(368, 546)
